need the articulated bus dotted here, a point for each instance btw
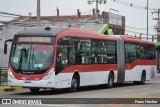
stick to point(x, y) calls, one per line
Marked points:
point(58, 57)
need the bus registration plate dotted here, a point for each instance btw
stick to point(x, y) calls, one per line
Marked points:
point(26, 81)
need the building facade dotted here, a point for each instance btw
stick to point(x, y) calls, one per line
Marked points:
point(21, 23)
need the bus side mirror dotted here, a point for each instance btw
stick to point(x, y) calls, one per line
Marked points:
point(5, 48)
point(5, 45)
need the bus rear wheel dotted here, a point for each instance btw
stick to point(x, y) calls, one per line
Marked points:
point(110, 80)
point(34, 90)
point(143, 79)
point(74, 83)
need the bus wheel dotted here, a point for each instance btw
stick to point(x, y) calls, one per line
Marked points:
point(34, 90)
point(143, 78)
point(110, 80)
point(74, 83)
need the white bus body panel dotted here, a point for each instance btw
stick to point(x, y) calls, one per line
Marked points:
point(101, 77)
point(63, 80)
point(135, 73)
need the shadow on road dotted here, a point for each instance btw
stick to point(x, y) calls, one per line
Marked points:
point(81, 89)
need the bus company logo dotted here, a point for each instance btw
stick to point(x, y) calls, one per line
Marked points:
point(28, 77)
point(6, 101)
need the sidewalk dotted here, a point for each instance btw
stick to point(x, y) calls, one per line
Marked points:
point(7, 88)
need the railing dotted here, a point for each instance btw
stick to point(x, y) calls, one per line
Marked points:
point(3, 76)
point(4, 58)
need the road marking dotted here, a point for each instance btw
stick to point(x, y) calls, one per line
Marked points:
point(155, 82)
point(134, 90)
point(142, 95)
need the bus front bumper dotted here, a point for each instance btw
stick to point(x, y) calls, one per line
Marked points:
point(28, 83)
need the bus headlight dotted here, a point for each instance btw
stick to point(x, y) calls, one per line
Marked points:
point(48, 75)
point(11, 74)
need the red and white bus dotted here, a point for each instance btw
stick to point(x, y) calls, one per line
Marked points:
point(54, 57)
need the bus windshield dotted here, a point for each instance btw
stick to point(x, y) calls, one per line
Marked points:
point(31, 58)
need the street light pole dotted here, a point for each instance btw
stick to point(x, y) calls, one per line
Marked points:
point(38, 12)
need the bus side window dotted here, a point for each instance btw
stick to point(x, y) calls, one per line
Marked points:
point(78, 56)
point(83, 51)
point(95, 55)
point(65, 54)
point(130, 52)
point(103, 52)
point(111, 52)
point(153, 52)
point(142, 52)
point(149, 50)
point(71, 52)
point(138, 51)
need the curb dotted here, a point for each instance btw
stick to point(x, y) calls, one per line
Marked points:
point(5, 89)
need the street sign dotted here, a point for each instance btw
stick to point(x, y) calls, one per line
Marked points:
point(115, 19)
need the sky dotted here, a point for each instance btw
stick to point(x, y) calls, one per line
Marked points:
point(134, 17)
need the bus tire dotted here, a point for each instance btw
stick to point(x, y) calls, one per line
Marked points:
point(74, 83)
point(110, 80)
point(34, 90)
point(143, 78)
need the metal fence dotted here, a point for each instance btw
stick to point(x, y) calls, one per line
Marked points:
point(3, 76)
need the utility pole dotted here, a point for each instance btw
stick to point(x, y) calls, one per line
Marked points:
point(97, 10)
point(147, 20)
point(158, 38)
point(97, 1)
point(158, 23)
point(38, 12)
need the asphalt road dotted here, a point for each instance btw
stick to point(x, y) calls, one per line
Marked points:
point(126, 90)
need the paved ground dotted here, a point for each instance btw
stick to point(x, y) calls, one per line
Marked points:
point(126, 90)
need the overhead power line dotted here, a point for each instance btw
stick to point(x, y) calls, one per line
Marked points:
point(7, 16)
point(132, 5)
point(138, 32)
point(87, 12)
point(137, 28)
point(6, 13)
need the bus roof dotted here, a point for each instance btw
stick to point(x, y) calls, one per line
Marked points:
point(42, 31)
point(135, 40)
point(76, 32)
point(67, 31)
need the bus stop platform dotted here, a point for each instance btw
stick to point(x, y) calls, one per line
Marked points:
point(7, 88)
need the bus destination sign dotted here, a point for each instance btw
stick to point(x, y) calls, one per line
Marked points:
point(34, 39)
